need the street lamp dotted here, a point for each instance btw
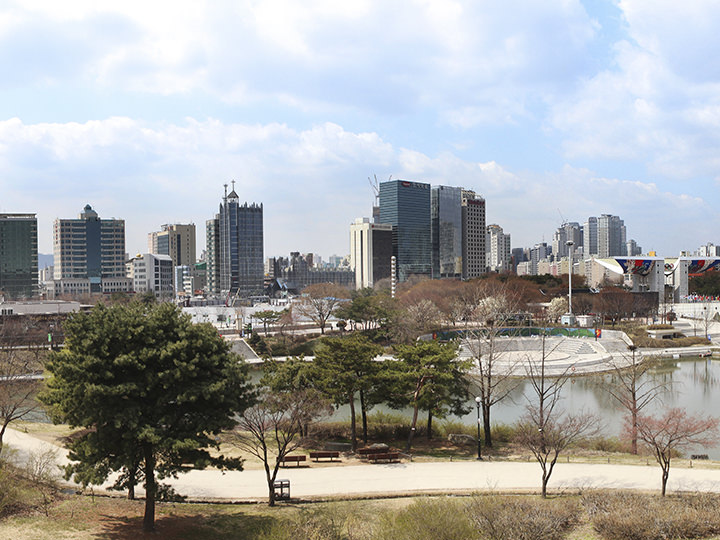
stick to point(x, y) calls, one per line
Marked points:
point(570, 245)
point(477, 401)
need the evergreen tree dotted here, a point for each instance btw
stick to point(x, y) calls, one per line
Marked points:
point(150, 388)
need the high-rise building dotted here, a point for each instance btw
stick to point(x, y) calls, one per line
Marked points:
point(708, 250)
point(498, 249)
point(446, 231)
point(175, 240)
point(611, 236)
point(235, 248)
point(567, 232)
point(212, 254)
point(539, 252)
point(371, 251)
point(18, 256)
point(474, 237)
point(406, 206)
point(90, 248)
point(632, 249)
point(590, 237)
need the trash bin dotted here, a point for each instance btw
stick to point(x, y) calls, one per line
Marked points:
point(282, 489)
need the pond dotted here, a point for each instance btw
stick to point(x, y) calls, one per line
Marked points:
point(692, 383)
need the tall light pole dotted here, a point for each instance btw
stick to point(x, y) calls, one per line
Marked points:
point(570, 245)
point(478, 400)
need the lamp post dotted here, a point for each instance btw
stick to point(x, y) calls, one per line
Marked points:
point(570, 245)
point(477, 402)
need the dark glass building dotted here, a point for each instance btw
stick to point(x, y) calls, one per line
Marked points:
point(446, 231)
point(240, 247)
point(406, 206)
point(18, 256)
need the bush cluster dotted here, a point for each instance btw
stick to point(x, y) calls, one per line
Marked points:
point(633, 516)
point(486, 517)
point(522, 518)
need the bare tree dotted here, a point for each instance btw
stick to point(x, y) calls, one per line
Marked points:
point(554, 435)
point(494, 379)
point(615, 303)
point(633, 390)
point(20, 381)
point(320, 300)
point(673, 431)
point(272, 429)
point(544, 429)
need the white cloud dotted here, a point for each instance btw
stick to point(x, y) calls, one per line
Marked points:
point(313, 182)
point(458, 57)
point(659, 103)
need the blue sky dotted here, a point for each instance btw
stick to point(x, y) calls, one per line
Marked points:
point(551, 110)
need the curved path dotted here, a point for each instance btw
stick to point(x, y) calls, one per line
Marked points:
point(335, 480)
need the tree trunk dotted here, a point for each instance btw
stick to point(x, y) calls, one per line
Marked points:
point(132, 481)
point(353, 429)
point(486, 425)
point(150, 489)
point(2, 434)
point(429, 425)
point(271, 483)
point(363, 412)
point(412, 427)
point(665, 474)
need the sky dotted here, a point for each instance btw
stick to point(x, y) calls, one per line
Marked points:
point(552, 111)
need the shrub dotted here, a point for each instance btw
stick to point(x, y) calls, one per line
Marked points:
point(311, 525)
point(502, 433)
point(632, 516)
point(9, 493)
point(605, 444)
point(426, 519)
point(523, 518)
point(456, 426)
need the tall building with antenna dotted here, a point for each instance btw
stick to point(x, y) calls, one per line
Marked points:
point(235, 248)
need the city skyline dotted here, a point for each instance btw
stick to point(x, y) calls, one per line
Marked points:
point(550, 112)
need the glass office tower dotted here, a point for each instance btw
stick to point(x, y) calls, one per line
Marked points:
point(446, 231)
point(406, 206)
point(18, 256)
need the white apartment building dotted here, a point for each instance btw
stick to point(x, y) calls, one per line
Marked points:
point(153, 273)
point(498, 249)
point(370, 251)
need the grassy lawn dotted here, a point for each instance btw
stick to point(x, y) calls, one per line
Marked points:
point(84, 517)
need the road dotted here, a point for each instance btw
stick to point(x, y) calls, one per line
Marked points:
point(334, 480)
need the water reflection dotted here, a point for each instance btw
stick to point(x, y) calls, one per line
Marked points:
point(690, 383)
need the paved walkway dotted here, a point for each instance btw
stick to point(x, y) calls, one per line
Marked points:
point(367, 480)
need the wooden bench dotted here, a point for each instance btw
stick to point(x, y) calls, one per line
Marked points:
point(365, 452)
point(325, 454)
point(387, 457)
point(293, 459)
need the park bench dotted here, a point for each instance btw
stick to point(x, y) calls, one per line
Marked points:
point(365, 452)
point(325, 454)
point(293, 459)
point(387, 457)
